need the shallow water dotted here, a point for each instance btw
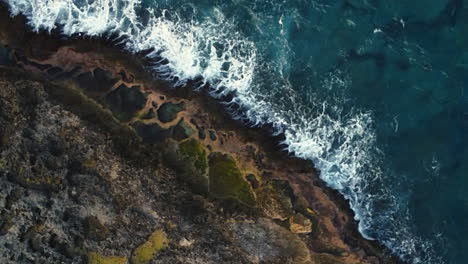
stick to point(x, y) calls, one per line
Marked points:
point(373, 92)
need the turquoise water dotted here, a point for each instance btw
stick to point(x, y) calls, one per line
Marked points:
point(375, 93)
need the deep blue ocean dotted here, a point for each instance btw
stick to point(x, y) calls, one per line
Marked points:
point(374, 92)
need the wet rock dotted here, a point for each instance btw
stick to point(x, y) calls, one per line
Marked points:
point(4, 55)
point(168, 111)
point(105, 78)
point(125, 102)
point(212, 134)
point(299, 224)
point(98, 81)
point(201, 133)
point(88, 83)
point(182, 131)
point(152, 133)
point(150, 114)
point(54, 71)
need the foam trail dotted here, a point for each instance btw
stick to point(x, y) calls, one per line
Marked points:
point(341, 145)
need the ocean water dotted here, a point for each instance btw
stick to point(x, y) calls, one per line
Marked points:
point(374, 92)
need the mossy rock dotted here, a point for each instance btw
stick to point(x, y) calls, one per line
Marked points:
point(195, 164)
point(193, 150)
point(147, 251)
point(227, 181)
point(96, 258)
point(168, 111)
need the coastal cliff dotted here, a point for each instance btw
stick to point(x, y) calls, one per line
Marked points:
point(101, 162)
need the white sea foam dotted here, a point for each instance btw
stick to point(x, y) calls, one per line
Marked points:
point(342, 145)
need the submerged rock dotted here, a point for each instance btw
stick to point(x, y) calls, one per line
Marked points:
point(125, 102)
point(152, 133)
point(212, 134)
point(167, 112)
point(150, 114)
point(182, 131)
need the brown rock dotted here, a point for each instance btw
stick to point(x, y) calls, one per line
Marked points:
point(299, 224)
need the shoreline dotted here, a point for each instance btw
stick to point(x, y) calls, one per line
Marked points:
point(92, 54)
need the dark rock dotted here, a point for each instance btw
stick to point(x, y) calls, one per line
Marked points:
point(152, 133)
point(66, 75)
point(94, 229)
point(4, 55)
point(201, 133)
point(87, 82)
point(125, 102)
point(252, 180)
point(182, 131)
point(104, 77)
point(6, 223)
point(54, 71)
point(168, 111)
point(97, 82)
point(212, 135)
point(150, 114)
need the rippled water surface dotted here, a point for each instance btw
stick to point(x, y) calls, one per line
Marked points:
point(373, 92)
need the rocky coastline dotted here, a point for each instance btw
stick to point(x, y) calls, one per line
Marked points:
point(101, 162)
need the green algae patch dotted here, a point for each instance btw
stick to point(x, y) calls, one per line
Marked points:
point(227, 181)
point(194, 151)
point(96, 258)
point(148, 250)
